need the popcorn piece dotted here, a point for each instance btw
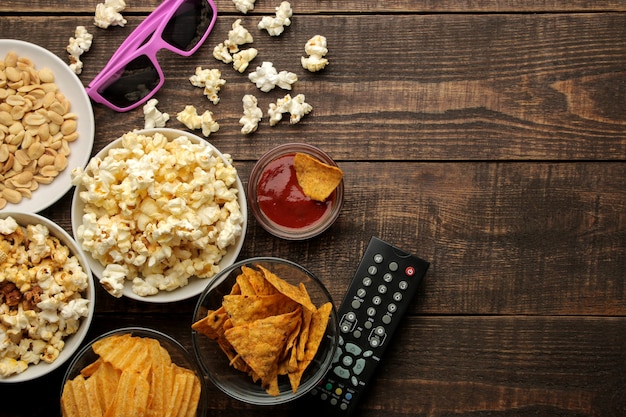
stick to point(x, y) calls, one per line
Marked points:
point(266, 78)
point(244, 6)
point(252, 114)
point(108, 14)
point(80, 43)
point(152, 116)
point(276, 25)
point(316, 49)
point(41, 303)
point(237, 36)
point(297, 107)
point(211, 80)
point(190, 118)
point(158, 211)
point(242, 59)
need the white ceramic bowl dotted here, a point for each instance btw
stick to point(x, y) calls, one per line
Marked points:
point(72, 342)
point(195, 285)
point(71, 86)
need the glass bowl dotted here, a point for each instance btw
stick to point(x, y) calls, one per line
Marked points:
point(239, 384)
point(73, 341)
point(179, 356)
point(299, 225)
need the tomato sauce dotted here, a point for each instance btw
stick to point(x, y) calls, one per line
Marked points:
point(281, 198)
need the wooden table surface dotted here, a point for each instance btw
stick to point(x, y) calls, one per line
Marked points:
point(486, 137)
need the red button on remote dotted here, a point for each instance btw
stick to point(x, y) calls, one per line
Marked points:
point(409, 271)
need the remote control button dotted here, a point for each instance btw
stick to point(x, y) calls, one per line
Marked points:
point(393, 266)
point(347, 361)
point(392, 308)
point(359, 366)
point(367, 324)
point(367, 281)
point(371, 311)
point(382, 289)
point(353, 349)
point(333, 401)
point(374, 342)
point(361, 292)
point(356, 334)
point(397, 296)
point(403, 285)
point(343, 406)
point(386, 319)
point(372, 270)
point(377, 300)
point(378, 258)
point(356, 304)
point(348, 396)
point(338, 354)
point(355, 381)
point(409, 271)
point(338, 391)
point(324, 396)
point(341, 372)
point(367, 353)
point(346, 327)
point(351, 316)
point(380, 331)
point(329, 386)
point(388, 277)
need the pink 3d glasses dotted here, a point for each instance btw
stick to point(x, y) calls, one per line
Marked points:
point(133, 75)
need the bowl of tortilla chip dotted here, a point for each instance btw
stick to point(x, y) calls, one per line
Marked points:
point(133, 371)
point(265, 331)
point(295, 191)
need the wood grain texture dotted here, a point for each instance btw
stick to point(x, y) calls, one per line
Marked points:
point(487, 137)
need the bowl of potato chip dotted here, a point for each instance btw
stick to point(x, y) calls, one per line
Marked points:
point(47, 296)
point(265, 331)
point(295, 191)
point(158, 213)
point(133, 371)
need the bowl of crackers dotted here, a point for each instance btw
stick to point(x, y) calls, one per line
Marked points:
point(295, 191)
point(265, 331)
point(133, 371)
point(47, 297)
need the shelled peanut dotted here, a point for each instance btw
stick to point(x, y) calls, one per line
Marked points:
point(36, 128)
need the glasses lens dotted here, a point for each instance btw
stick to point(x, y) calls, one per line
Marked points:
point(131, 83)
point(188, 25)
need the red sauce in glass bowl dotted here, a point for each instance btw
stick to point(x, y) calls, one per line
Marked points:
point(281, 199)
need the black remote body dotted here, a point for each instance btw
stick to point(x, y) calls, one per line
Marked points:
point(383, 286)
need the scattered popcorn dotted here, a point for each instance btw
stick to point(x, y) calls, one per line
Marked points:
point(252, 114)
point(266, 78)
point(316, 49)
point(242, 59)
point(244, 6)
point(237, 36)
point(190, 118)
point(158, 212)
point(152, 116)
point(40, 296)
point(108, 14)
point(78, 44)
point(276, 25)
point(211, 80)
point(297, 107)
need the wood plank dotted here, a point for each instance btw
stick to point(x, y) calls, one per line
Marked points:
point(227, 7)
point(522, 87)
point(438, 366)
point(503, 238)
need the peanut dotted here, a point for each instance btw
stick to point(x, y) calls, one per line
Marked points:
point(36, 127)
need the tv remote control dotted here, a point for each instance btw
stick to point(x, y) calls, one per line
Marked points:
point(383, 286)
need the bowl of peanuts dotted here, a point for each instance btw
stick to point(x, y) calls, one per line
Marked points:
point(47, 297)
point(46, 126)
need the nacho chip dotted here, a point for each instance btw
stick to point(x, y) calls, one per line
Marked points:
point(258, 282)
point(243, 309)
point(317, 179)
point(291, 291)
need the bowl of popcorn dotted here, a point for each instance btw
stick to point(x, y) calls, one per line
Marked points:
point(133, 371)
point(265, 331)
point(47, 296)
point(158, 212)
point(46, 123)
point(295, 191)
